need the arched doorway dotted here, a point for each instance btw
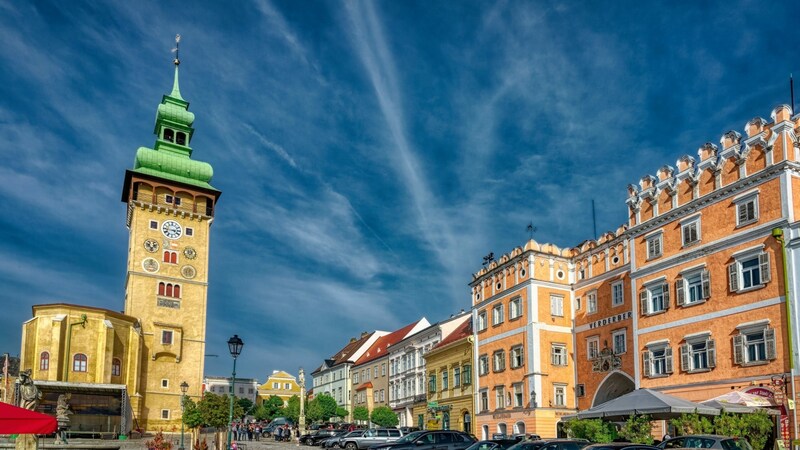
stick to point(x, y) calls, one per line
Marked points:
point(519, 429)
point(614, 385)
point(501, 430)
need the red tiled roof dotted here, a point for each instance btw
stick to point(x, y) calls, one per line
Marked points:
point(462, 332)
point(362, 386)
point(378, 349)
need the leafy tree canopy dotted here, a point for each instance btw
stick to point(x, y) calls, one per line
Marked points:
point(383, 416)
point(638, 429)
point(593, 430)
point(322, 407)
point(360, 413)
point(292, 409)
point(214, 410)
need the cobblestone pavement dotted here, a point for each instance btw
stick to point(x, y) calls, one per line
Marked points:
point(139, 443)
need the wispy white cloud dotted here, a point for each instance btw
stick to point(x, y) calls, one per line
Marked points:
point(280, 151)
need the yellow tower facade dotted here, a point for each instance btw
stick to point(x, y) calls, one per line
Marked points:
point(170, 209)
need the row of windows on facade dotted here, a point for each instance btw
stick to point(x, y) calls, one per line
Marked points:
point(499, 360)
point(278, 385)
point(224, 389)
point(188, 231)
point(174, 200)
point(461, 377)
point(750, 270)
point(698, 354)
point(499, 285)
point(498, 313)
point(515, 398)
point(410, 360)
point(367, 374)
point(617, 298)
point(407, 388)
point(337, 393)
point(746, 214)
point(377, 396)
point(325, 378)
point(80, 363)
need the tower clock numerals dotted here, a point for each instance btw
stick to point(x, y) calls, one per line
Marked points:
point(151, 245)
point(171, 229)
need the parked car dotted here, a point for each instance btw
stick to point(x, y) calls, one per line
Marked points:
point(336, 441)
point(371, 437)
point(620, 446)
point(706, 441)
point(316, 437)
point(324, 442)
point(407, 430)
point(430, 440)
point(551, 444)
point(493, 444)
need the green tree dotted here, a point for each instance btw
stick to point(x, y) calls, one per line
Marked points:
point(593, 430)
point(638, 429)
point(341, 412)
point(692, 424)
point(214, 410)
point(292, 409)
point(247, 406)
point(322, 407)
point(383, 416)
point(270, 408)
point(361, 413)
point(191, 414)
point(755, 427)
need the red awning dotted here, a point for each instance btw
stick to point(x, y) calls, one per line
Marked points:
point(16, 420)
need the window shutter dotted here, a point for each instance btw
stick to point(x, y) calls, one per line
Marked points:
point(685, 358)
point(646, 363)
point(711, 353)
point(680, 295)
point(763, 262)
point(665, 287)
point(769, 341)
point(705, 279)
point(644, 302)
point(668, 359)
point(738, 349)
point(733, 276)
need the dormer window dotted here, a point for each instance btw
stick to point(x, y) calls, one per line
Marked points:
point(169, 135)
point(180, 138)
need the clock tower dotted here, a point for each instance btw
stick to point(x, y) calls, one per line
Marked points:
point(170, 209)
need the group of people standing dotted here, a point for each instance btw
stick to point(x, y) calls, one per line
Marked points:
point(255, 431)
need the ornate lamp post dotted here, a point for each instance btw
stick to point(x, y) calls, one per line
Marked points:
point(235, 345)
point(184, 389)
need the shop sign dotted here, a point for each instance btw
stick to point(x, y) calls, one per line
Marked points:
point(609, 320)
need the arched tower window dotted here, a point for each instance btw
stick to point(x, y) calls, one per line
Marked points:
point(169, 135)
point(44, 361)
point(170, 257)
point(115, 367)
point(162, 288)
point(177, 291)
point(169, 290)
point(79, 362)
point(180, 138)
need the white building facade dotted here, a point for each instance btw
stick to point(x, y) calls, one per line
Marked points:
point(242, 388)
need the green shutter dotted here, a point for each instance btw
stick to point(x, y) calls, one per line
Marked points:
point(763, 262)
point(705, 278)
point(680, 292)
point(738, 349)
point(769, 341)
point(733, 277)
point(668, 359)
point(711, 353)
point(685, 363)
point(644, 302)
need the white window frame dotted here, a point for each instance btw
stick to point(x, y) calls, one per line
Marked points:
point(515, 308)
point(737, 273)
point(558, 354)
point(577, 304)
point(650, 363)
point(683, 289)
point(163, 415)
point(690, 231)
point(741, 355)
point(171, 337)
point(622, 332)
point(591, 302)
point(559, 395)
point(483, 364)
point(498, 314)
point(618, 293)
point(688, 353)
point(484, 399)
point(655, 245)
point(481, 320)
point(556, 305)
point(592, 347)
point(165, 383)
point(647, 298)
point(519, 397)
point(743, 201)
point(457, 376)
point(499, 360)
point(500, 397)
point(517, 356)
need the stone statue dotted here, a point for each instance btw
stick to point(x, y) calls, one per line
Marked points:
point(29, 394)
point(62, 416)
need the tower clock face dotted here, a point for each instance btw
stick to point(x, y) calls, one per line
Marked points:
point(171, 229)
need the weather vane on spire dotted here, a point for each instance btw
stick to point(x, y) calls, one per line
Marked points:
point(175, 50)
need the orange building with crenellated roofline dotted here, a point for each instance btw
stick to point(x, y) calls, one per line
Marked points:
point(689, 297)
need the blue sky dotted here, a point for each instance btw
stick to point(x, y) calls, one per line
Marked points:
point(369, 153)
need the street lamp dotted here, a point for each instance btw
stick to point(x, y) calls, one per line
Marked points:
point(184, 389)
point(235, 345)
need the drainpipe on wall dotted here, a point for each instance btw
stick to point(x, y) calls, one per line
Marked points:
point(82, 323)
point(777, 233)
